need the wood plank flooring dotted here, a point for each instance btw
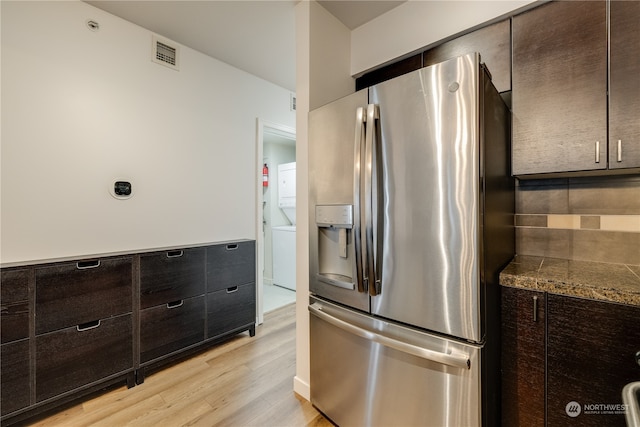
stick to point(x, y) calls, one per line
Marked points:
point(243, 382)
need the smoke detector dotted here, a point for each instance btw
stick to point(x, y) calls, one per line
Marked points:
point(165, 52)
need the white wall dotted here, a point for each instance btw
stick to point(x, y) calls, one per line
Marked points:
point(82, 109)
point(330, 57)
point(416, 24)
point(322, 75)
point(275, 153)
point(303, 31)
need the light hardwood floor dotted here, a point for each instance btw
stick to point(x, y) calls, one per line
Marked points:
point(243, 382)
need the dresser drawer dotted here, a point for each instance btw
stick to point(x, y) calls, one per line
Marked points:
point(171, 275)
point(230, 309)
point(14, 302)
point(15, 386)
point(171, 327)
point(230, 265)
point(77, 356)
point(76, 293)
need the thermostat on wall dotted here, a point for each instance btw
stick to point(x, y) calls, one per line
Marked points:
point(121, 190)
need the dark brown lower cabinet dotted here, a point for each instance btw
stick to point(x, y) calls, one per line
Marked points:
point(14, 304)
point(171, 327)
point(79, 292)
point(230, 264)
point(523, 357)
point(230, 309)
point(15, 390)
point(566, 365)
point(72, 328)
point(590, 357)
point(168, 276)
point(80, 355)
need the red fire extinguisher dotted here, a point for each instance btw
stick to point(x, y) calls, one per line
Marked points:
point(265, 175)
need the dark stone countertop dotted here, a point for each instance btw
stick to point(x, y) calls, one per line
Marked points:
point(618, 283)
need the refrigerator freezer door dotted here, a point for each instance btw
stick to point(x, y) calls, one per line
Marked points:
point(428, 144)
point(332, 156)
point(367, 372)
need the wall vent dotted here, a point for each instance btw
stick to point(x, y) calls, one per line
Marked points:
point(292, 103)
point(165, 52)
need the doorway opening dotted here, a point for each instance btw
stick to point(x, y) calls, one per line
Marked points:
point(275, 220)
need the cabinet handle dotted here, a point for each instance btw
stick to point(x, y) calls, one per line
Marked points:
point(175, 254)
point(232, 289)
point(597, 151)
point(175, 304)
point(535, 308)
point(89, 325)
point(232, 247)
point(619, 151)
point(85, 265)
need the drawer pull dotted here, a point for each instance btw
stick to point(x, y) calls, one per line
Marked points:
point(619, 159)
point(85, 265)
point(89, 325)
point(175, 254)
point(232, 289)
point(232, 247)
point(597, 151)
point(175, 304)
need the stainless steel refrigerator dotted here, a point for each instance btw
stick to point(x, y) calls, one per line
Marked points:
point(411, 220)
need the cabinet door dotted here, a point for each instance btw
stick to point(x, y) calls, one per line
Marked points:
point(523, 357)
point(590, 357)
point(171, 275)
point(230, 265)
point(14, 301)
point(559, 88)
point(492, 42)
point(76, 293)
point(624, 85)
point(15, 379)
point(390, 71)
point(171, 327)
point(78, 356)
point(230, 309)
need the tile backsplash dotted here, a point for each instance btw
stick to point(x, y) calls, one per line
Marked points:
point(587, 219)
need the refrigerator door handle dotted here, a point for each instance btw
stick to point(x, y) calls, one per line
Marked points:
point(357, 202)
point(371, 198)
point(457, 360)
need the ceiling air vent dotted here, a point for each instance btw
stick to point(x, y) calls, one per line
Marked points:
point(165, 52)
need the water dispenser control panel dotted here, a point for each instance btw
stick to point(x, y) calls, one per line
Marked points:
point(339, 216)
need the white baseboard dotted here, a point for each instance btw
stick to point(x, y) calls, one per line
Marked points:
point(301, 388)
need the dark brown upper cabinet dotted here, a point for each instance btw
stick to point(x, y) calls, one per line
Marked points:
point(560, 69)
point(624, 85)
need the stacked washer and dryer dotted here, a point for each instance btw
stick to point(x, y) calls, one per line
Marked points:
point(284, 236)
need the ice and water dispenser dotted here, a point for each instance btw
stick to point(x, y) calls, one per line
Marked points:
point(336, 253)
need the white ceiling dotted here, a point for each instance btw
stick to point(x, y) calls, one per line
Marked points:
point(255, 36)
